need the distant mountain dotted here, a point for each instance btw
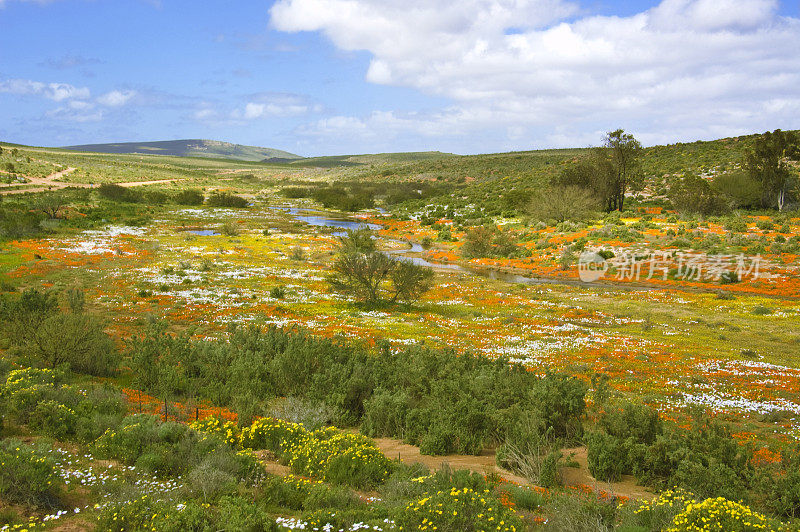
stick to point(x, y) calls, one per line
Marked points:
point(364, 159)
point(189, 148)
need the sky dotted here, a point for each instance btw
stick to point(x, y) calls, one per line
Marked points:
point(326, 77)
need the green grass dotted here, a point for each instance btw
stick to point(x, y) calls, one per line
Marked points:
point(188, 148)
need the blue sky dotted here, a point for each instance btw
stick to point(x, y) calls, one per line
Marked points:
point(321, 77)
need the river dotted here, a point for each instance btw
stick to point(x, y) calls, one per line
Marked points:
point(320, 220)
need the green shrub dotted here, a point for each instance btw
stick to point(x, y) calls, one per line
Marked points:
point(54, 419)
point(385, 414)
point(78, 340)
point(277, 292)
point(587, 513)
point(639, 422)
point(300, 493)
point(26, 477)
point(226, 200)
point(155, 197)
point(607, 457)
point(103, 406)
point(559, 401)
point(136, 514)
point(224, 429)
point(275, 435)
point(340, 458)
point(458, 510)
point(22, 403)
point(114, 192)
point(163, 448)
point(525, 498)
point(23, 315)
point(780, 487)
point(189, 196)
point(237, 514)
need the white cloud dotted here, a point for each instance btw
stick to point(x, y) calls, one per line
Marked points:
point(255, 107)
point(116, 98)
point(684, 67)
point(75, 103)
point(76, 113)
point(53, 91)
point(254, 110)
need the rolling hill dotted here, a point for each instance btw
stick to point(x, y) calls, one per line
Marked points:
point(331, 161)
point(189, 148)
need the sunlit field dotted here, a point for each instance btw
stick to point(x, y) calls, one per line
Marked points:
point(692, 326)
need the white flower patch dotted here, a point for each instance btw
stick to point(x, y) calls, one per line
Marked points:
point(748, 368)
point(114, 231)
point(267, 271)
point(89, 248)
point(293, 523)
point(74, 471)
point(720, 402)
point(171, 278)
point(217, 213)
point(101, 242)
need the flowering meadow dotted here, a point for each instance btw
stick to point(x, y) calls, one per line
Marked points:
point(167, 364)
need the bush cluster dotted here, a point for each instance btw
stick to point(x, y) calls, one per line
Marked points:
point(226, 200)
point(427, 397)
point(458, 509)
point(149, 512)
point(328, 454)
point(25, 476)
point(170, 449)
point(39, 398)
point(704, 459)
point(44, 335)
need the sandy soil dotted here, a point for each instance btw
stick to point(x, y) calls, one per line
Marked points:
point(42, 184)
point(485, 463)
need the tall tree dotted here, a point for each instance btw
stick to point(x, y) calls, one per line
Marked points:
point(769, 163)
point(623, 170)
point(609, 171)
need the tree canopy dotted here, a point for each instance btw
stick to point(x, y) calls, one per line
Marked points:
point(769, 163)
point(373, 277)
point(609, 171)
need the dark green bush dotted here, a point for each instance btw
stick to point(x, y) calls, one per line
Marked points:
point(26, 477)
point(163, 448)
point(607, 457)
point(226, 200)
point(189, 196)
point(54, 419)
point(114, 192)
point(639, 422)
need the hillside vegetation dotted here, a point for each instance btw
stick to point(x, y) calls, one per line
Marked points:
point(188, 148)
point(202, 343)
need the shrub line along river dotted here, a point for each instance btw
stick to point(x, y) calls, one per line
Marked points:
point(320, 220)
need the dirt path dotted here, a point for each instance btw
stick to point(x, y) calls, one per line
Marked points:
point(43, 184)
point(143, 183)
point(485, 463)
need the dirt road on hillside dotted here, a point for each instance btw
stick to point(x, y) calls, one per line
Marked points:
point(43, 184)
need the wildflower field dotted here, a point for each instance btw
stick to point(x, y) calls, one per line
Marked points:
point(240, 390)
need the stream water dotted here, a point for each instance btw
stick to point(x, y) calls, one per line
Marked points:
point(325, 221)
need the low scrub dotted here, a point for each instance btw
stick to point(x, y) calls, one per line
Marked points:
point(26, 477)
